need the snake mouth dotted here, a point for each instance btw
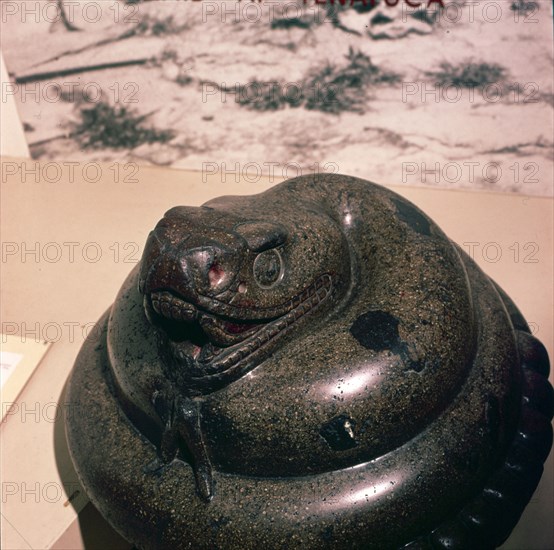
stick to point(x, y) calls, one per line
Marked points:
point(212, 343)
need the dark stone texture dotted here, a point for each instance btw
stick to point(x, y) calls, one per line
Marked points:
point(376, 330)
point(316, 366)
point(339, 433)
point(410, 215)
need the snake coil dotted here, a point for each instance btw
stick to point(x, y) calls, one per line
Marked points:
point(316, 366)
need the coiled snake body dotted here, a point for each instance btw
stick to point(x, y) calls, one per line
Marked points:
point(316, 366)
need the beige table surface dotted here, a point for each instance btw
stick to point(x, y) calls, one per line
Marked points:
point(104, 224)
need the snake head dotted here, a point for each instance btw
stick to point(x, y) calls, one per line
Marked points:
point(225, 282)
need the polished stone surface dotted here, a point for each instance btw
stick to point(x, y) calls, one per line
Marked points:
point(316, 366)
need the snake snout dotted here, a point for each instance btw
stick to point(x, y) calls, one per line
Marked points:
point(201, 264)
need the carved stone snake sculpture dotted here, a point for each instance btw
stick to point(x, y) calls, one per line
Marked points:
point(315, 366)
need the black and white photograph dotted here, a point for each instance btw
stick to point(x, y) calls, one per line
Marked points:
point(455, 96)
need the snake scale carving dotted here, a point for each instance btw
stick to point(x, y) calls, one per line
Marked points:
point(315, 366)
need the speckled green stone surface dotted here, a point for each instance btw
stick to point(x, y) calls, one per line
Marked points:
point(316, 366)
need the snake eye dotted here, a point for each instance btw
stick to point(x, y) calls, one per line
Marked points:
point(268, 268)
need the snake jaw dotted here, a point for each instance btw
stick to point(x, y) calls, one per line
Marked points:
point(183, 320)
point(217, 343)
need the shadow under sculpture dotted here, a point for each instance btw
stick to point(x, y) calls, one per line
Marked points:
point(315, 366)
